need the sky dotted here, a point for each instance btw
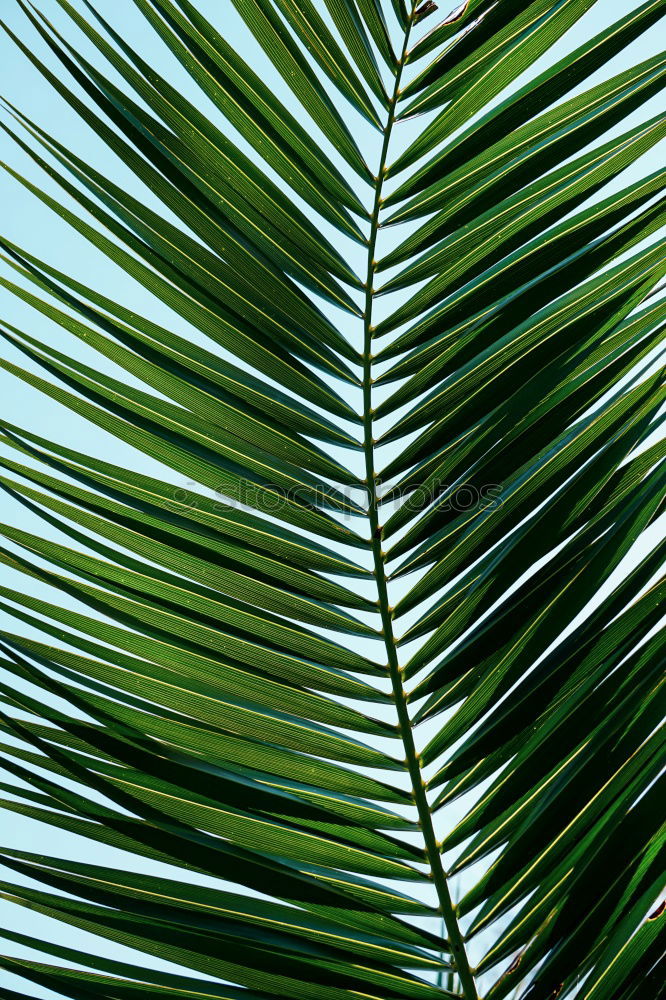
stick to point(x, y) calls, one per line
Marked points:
point(28, 223)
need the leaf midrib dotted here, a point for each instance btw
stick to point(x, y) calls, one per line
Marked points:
point(459, 955)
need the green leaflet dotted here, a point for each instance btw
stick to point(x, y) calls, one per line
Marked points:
point(253, 964)
point(553, 739)
point(373, 15)
point(233, 420)
point(182, 510)
point(576, 237)
point(534, 207)
point(107, 134)
point(601, 724)
point(551, 84)
point(223, 217)
point(449, 681)
point(367, 905)
point(265, 25)
point(319, 783)
point(256, 821)
point(224, 906)
point(171, 683)
point(173, 422)
point(608, 345)
point(193, 281)
point(163, 646)
point(575, 388)
point(351, 29)
point(185, 800)
point(186, 794)
point(607, 348)
point(634, 327)
point(568, 453)
point(230, 577)
point(352, 918)
point(575, 663)
point(621, 859)
point(252, 189)
point(498, 41)
point(221, 61)
point(622, 966)
point(243, 98)
point(594, 306)
point(133, 532)
point(167, 587)
point(217, 324)
point(467, 188)
point(217, 857)
point(636, 867)
point(244, 625)
point(613, 799)
point(223, 226)
point(67, 980)
point(587, 498)
point(216, 475)
point(316, 37)
point(196, 364)
point(502, 665)
point(456, 21)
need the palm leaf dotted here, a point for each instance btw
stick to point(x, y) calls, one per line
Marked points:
point(333, 651)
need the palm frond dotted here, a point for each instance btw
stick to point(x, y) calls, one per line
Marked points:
point(333, 645)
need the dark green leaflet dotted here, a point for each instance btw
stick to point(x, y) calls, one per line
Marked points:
point(526, 102)
point(188, 509)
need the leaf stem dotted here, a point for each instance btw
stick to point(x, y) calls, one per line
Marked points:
point(456, 941)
